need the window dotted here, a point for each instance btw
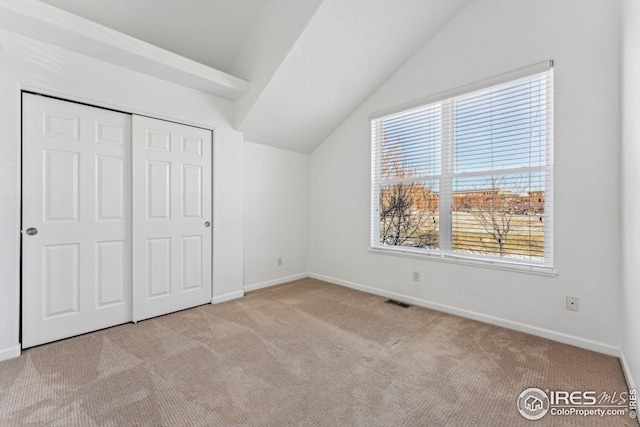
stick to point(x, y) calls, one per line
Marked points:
point(469, 176)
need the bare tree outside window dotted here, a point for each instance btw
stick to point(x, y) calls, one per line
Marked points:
point(501, 209)
point(408, 210)
point(408, 215)
point(496, 211)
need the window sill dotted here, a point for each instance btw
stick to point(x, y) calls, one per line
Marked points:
point(461, 259)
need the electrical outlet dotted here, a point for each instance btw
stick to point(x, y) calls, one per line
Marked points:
point(279, 260)
point(573, 303)
point(416, 276)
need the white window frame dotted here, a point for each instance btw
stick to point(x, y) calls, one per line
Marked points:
point(447, 175)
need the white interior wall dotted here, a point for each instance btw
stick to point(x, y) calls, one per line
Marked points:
point(25, 63)
point(630, 345)
point(275, 206)
point(488, 38)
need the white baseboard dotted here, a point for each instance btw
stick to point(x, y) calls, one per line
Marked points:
point(517, 326)
point(10, 353)
point(627, 371)
point(278, 281)
point(227, 297)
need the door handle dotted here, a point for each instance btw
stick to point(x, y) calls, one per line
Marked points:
point(32, 231)
point(207, 224)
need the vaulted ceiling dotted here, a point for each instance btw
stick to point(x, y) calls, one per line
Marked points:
point(296, 68)
point(207, 31)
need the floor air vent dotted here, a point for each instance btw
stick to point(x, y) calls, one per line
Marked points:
point(398, 303)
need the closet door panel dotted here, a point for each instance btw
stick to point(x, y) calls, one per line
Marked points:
point(76, 192)
point(172, 232)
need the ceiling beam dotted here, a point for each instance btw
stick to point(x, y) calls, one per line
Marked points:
point(50, 25)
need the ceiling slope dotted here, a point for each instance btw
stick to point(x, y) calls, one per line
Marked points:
point(348, 49)
point(274, 33)
point(296, 69)
point(205, 31)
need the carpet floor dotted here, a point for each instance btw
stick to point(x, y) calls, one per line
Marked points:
point(305, 353)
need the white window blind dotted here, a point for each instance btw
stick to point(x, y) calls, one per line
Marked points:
point(468, 176)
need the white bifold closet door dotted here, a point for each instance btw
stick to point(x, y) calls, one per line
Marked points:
point(76, 219)
point(171, 217)
point(116, 213)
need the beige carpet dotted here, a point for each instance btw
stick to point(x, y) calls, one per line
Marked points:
point(306, 353)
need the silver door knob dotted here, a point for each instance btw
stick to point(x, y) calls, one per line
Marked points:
point(207, 224)
point(32, 231)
